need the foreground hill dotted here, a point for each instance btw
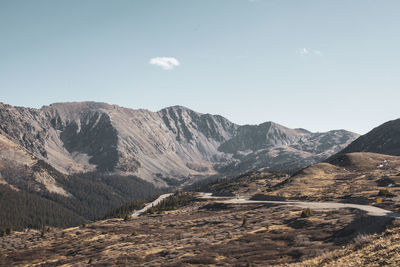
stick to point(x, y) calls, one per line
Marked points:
point(367, 250)
point(185, 230)
point(354, 178)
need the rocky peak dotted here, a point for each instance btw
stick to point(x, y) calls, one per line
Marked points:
point(255, 137)
point(186, 124)
point(173, 142)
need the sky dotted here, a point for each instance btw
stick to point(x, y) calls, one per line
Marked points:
point(311, 64)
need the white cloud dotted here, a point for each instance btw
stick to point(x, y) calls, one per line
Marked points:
point(167, 63)
point(303, 51)
point(308, 52)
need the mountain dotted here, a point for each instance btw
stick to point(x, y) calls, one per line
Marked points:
point(274, 147)
point(173, 143)
point(33, 193)
point(384, 139)
point(89, 158)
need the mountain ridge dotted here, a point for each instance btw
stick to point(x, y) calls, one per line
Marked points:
point(383, 139)
point(174, 142)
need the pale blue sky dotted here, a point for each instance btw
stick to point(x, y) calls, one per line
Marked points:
point(317, 64)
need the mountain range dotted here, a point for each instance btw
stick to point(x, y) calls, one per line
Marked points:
point(80, 160)
point(174, 143)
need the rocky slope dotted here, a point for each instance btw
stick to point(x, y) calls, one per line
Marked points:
point(17, 170)
point(274, 147)
point(384, 139)
point(174, 143)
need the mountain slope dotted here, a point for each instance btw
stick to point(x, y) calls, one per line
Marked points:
point(274, 147)
point(33, 194)
point(384, 139)
point(174, 143)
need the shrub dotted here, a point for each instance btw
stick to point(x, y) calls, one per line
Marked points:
point(8, 231)
point(134, 233)
point(306, 213)
point(244, 222)
point(127, 217)
point(331, 213)
point(361, 239)
point(386, 193)
point(43, 231)
point(151, 210)
point(228, 235)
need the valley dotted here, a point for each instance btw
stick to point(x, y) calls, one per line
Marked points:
point(201, 191)
point(256, 219)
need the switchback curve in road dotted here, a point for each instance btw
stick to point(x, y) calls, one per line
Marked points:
point(370, 210)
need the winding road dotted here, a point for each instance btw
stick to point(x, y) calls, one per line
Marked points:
point(370, 210)
point(149, 205)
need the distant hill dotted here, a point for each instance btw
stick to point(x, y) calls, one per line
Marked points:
point(384, 139)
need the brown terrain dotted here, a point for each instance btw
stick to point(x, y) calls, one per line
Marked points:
point(205, 232)
point(359, 178)
point(200, 234)
point(366, 250)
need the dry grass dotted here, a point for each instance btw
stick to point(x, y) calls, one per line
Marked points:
point(366, 250)
point(273, 235)
point(207, 234)
point(352, 178)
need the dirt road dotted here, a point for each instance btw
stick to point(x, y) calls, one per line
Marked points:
point(149, 205)
point(371, 210)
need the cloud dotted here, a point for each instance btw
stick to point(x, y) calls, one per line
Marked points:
point(167, 63)
point(308, 52)
point(303, 52)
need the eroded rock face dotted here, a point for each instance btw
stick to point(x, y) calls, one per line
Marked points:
point(18, 171)
point(175, 142)
point(95, 136)
point(274, 147)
